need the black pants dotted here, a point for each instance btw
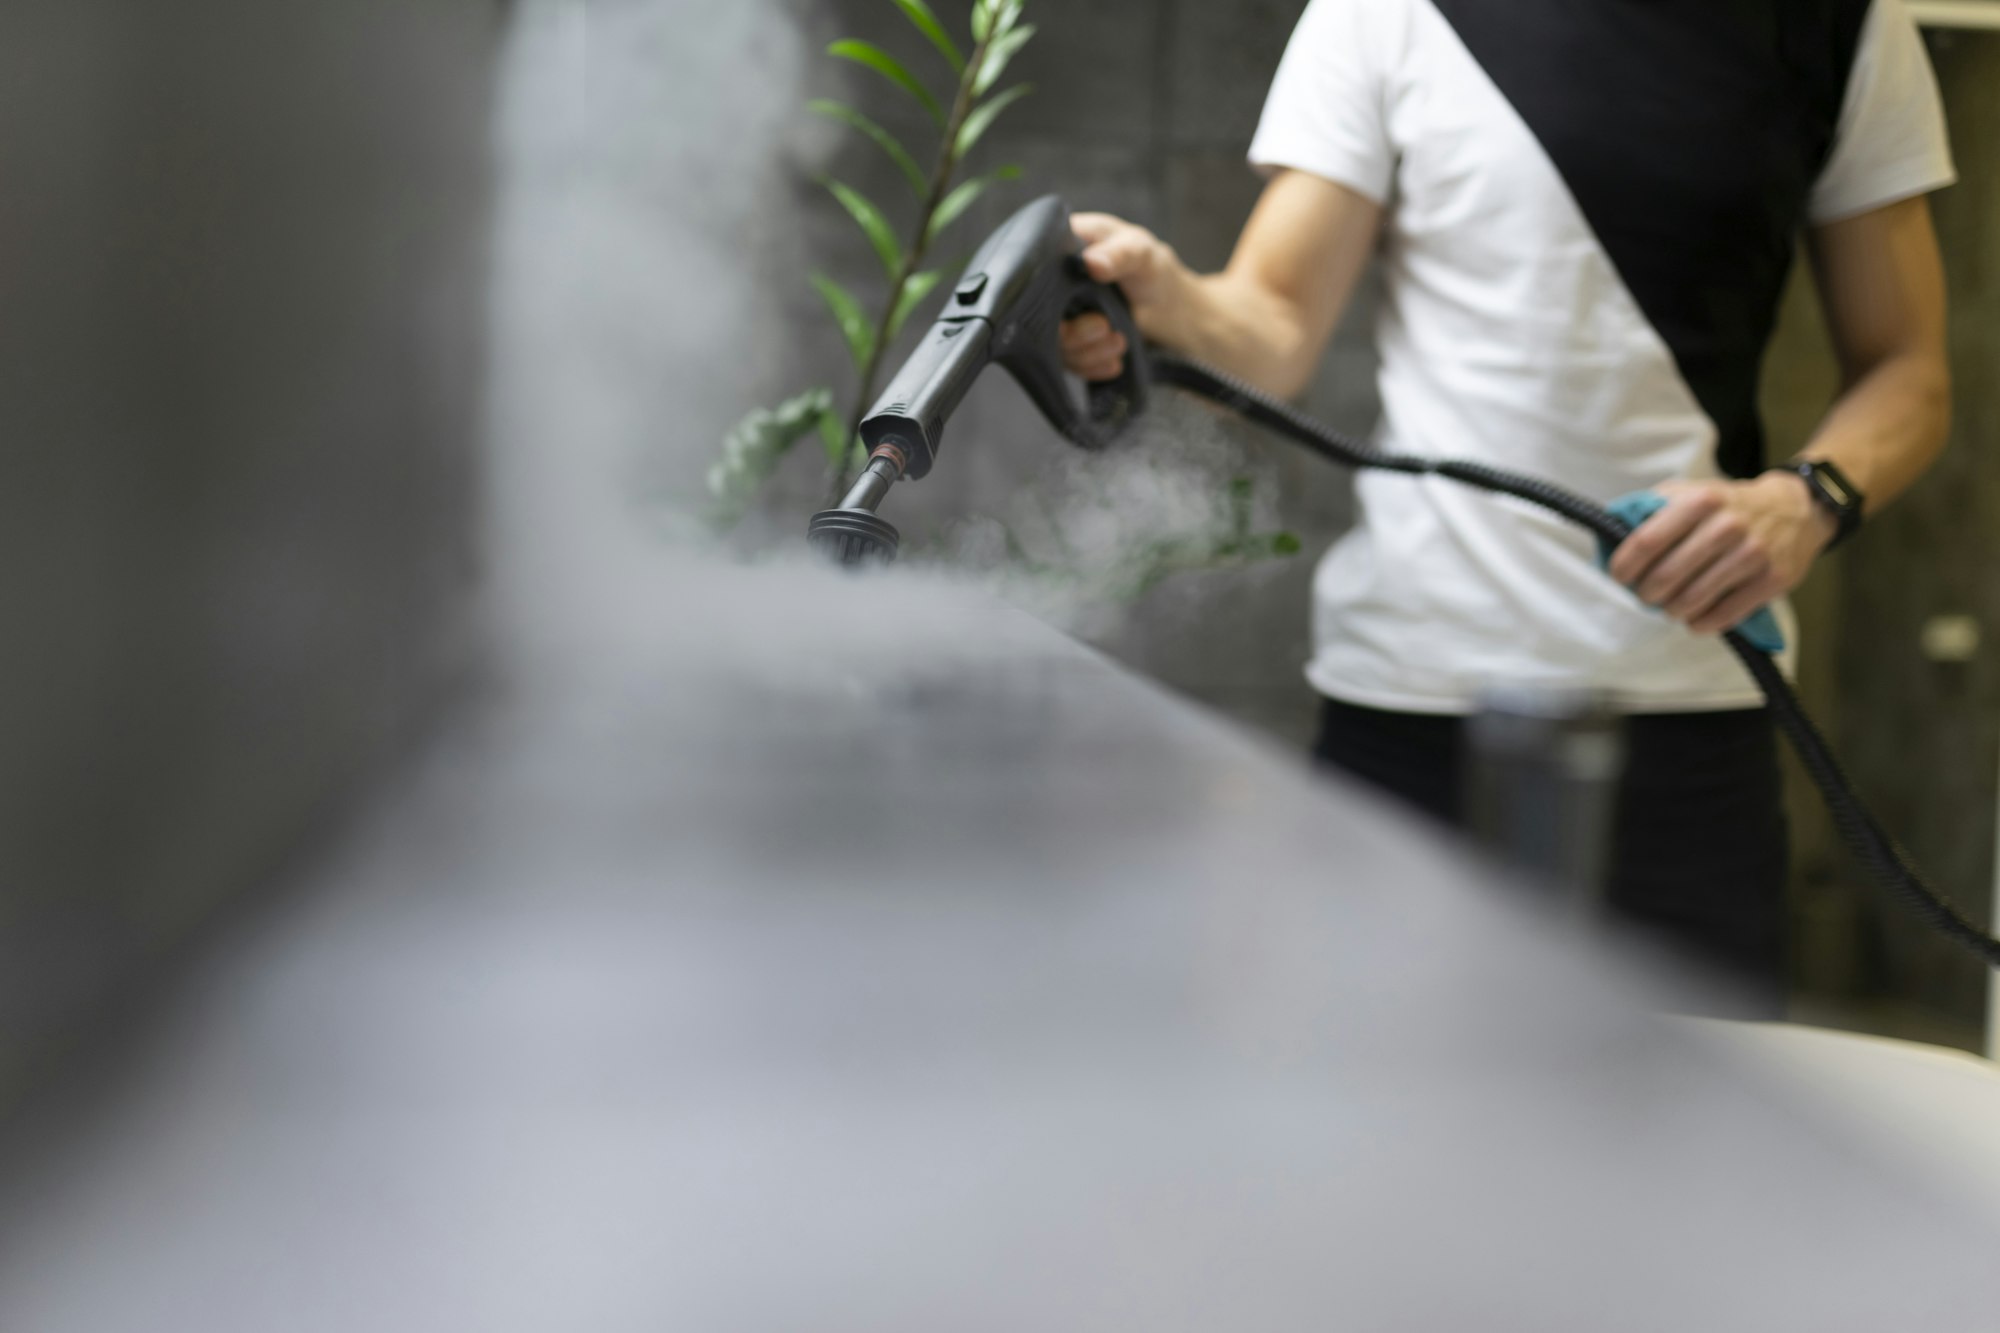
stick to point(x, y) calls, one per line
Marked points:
point(1699, 845)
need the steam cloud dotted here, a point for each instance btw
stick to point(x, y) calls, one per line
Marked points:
point(641, 171)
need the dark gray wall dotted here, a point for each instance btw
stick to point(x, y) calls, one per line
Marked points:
point(241, 260)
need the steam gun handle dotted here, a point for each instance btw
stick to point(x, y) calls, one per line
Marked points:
point(1030, 347)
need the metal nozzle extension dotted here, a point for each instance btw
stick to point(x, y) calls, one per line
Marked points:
point(873, 485)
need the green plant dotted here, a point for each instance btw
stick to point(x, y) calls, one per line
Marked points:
point(760, 442)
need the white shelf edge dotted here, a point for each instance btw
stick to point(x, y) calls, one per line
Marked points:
point(1956, 13)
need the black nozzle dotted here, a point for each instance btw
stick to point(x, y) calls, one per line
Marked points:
point(853, 537)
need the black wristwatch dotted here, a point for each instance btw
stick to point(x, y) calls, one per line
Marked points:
point(1833, 492)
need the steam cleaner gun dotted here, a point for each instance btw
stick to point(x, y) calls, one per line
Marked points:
point(1009, 308)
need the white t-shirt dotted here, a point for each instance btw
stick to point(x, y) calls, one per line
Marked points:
point(1590, 214)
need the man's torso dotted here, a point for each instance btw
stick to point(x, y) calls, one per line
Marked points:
point(1589, 226)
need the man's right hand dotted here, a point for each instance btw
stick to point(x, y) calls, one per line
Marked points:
point(1265, 318)
point(1144, 266)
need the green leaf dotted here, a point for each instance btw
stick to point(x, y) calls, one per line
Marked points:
point(964, 197)
point(875, 58)
point(884, 140)
point(1006, 13)
point(846, 310)
point(1286, 543)
point(834, 437)
point(752, 451)
point(982, 20)
point(1242, 492)
point(1004, 47)
point(983, 116)
point(920, 14)
point(915, 290)
point(873, 223)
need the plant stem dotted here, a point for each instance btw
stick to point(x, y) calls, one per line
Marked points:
point(947, 165)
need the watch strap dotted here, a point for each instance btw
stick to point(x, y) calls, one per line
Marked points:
point(1832, 491)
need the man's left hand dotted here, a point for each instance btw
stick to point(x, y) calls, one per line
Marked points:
point(1719, 550)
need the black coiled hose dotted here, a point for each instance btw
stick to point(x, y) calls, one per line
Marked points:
point(1863, 834)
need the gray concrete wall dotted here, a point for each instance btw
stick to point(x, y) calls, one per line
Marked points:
point(241, 260)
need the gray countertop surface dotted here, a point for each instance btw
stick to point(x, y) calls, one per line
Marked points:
point(833, 955)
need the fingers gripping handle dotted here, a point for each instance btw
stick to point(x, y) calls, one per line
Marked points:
point(1035, 359)
point(1028, 335)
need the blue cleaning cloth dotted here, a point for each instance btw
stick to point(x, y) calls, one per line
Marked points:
point(1761, 629)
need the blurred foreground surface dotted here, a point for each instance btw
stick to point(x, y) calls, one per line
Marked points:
point(844, 955)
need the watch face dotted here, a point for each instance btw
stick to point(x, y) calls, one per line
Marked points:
point(1837, 486)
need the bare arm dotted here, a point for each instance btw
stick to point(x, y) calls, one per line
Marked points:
point(1265, 318)
point(1720, 550)
point(1881, 283)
